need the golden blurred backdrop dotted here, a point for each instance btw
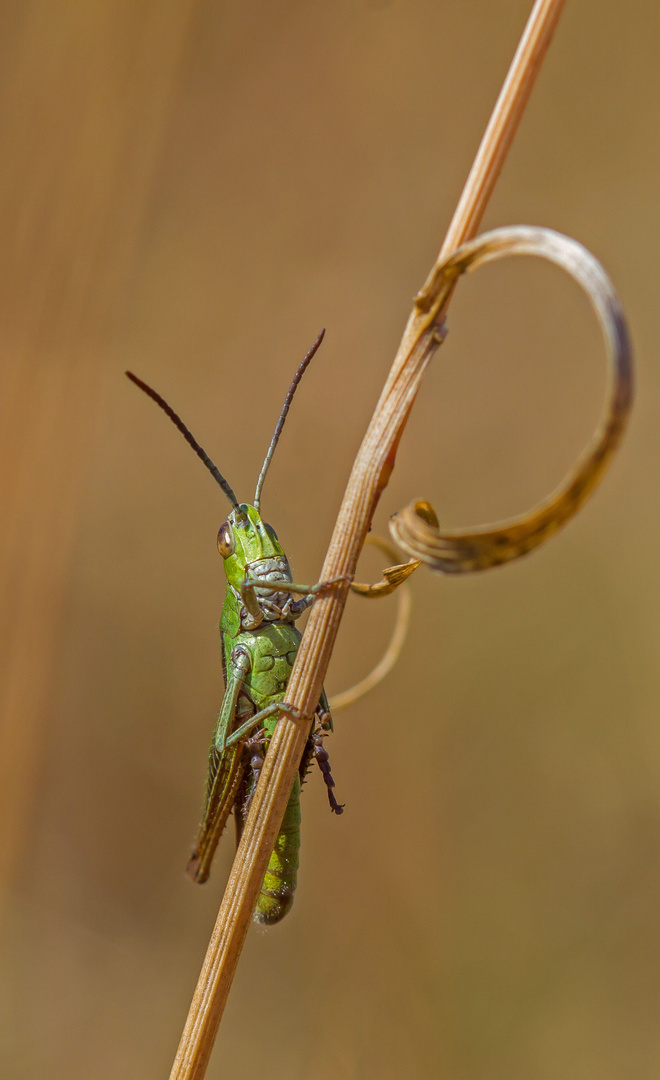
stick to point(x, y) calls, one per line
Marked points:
point(192, 189)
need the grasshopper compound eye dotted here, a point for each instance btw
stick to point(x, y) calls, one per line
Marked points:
point(226, 542)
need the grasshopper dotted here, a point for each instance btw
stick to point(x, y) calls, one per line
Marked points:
point(259, 642)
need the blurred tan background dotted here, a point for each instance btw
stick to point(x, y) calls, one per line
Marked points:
point(193, 189)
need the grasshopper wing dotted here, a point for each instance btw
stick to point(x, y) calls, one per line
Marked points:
point(223, 784)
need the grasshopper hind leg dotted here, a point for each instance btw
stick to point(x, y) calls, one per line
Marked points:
point(323, 762)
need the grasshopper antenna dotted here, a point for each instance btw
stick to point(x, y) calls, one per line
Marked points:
point(190, 439)
point(280, 423)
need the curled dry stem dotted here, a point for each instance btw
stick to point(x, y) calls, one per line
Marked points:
point(369, 477)
point(415, 528)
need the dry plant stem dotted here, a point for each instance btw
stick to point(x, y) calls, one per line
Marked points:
point(369, 477)
point(502, 125)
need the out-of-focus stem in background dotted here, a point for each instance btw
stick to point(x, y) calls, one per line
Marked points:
point(94, 95)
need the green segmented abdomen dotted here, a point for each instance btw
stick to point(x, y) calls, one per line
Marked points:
point(279, 886)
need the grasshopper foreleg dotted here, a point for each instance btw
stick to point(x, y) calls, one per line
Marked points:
point(293, 607)
point(321, 586)
point(255, 592)
point(284, 585)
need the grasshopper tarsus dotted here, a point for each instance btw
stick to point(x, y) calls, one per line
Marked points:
point(332, 583)
point(324, 717)
point(290, 710)
point(323, 762)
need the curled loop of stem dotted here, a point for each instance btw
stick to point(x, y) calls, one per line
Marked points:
point(394, 577)
point(415, 529)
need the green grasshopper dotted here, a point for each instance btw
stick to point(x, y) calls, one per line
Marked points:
point(259, 645)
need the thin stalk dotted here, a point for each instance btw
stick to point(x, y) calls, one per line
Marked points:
point(369, 477)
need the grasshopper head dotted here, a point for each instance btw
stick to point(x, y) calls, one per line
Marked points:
point(245, 540)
